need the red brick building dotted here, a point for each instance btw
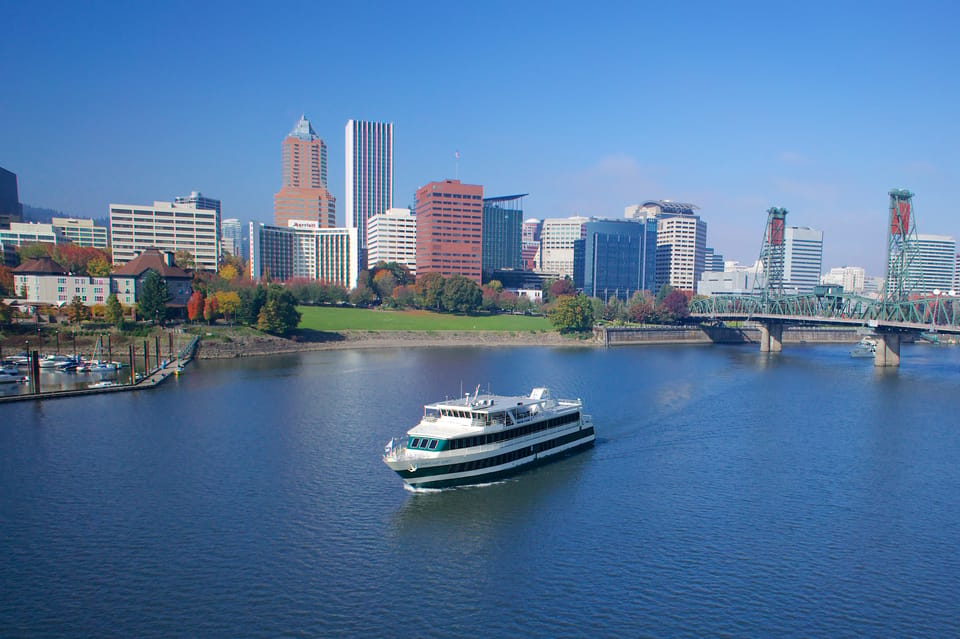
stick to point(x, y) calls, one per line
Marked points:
point(449, 229)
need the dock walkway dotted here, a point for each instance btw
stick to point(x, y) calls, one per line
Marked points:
point(156, 377)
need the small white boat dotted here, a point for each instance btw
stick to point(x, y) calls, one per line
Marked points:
point(866, 347)
point(55, 361)
point(103, 384)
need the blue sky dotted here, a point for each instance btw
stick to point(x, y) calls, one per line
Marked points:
point(819, 107)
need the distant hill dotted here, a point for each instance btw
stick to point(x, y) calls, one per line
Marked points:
point(39, 214)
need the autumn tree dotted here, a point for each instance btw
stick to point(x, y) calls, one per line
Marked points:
point(210, 307)
point(228, 303)
point(676, 305)
point(561, 287)
point(228, 272)
point(572, 313)
point(6, 281)
point(195, 306)
point(641, 308)
point(99, 267)
point(77, 311)
point(383, 283)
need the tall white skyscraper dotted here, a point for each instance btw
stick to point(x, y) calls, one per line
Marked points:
point(937, 261)
point(368, 168)
point(803, 259)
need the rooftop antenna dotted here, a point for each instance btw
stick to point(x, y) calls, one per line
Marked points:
point(456, 165)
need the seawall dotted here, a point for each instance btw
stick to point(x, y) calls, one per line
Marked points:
point(622, 336)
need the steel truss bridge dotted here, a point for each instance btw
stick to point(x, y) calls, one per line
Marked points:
point(897, 312)
point(889, 320)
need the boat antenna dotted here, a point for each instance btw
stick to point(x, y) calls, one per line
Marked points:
point(476, 393)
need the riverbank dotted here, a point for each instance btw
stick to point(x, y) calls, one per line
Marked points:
point(226, 345)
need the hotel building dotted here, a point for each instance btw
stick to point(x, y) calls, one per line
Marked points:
point(166, 226)
point(303, 194)
point(306, 250)
point(368, 169)
point(392, 237)
point(450, 229)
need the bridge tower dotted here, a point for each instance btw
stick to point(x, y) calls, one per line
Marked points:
point(773, 254)
point(904, 272)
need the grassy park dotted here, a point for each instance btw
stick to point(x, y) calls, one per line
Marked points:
point(328, 318)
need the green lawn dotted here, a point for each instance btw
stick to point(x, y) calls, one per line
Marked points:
point(326, 318)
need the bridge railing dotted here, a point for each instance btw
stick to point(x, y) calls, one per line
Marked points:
point(932, 310)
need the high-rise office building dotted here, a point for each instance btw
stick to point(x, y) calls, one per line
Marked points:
point(712, 261)
point(851, 278)
point(803, 259)
point(167, 226)
point(20, 233)
point(557, 237)
point(502, 233)
point(231, 236)
point(303, 194)
point(392, 237)
point(82, 232)
point(10, 208)
point(937, 262)
point(616, 258)
point(450, 229)
point(681, 241)
point(199, 200)
point(368, 169)
point(530, 248)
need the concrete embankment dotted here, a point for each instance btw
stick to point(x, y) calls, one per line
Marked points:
point(622, 336)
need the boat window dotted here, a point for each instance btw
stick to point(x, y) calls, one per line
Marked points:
point(415, 443)
point(433, 444)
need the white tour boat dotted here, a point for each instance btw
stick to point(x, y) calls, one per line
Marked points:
point(482, 438)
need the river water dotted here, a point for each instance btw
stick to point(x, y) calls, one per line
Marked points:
point(730, 493)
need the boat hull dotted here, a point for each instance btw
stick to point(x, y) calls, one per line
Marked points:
point(497, 466)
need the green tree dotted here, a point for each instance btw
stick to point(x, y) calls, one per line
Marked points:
point(153, 298)
point(572, 313)
point(6, 314)
point(184, 259)
point(430, 290)
point(279, 314)
point(114, 310)
point(461, 294)
point(252, 299)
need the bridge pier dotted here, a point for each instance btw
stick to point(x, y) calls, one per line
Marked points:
point(888, 350)
point(771, 337)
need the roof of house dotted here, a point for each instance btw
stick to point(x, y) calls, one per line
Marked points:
point(151, 258)
point(40, 266)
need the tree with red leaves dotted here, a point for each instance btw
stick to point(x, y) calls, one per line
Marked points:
point(195, 306)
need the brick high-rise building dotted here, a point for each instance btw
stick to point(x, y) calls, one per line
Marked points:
point(450, 229)
point(303, 194)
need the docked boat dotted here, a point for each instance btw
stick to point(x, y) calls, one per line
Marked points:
point(6, 377)
point(485, 437)
point(55, 361)
point(866, 347)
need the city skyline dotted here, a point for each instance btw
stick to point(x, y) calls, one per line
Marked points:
point(815, 108)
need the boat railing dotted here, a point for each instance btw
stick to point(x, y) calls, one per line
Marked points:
point(395, 449)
